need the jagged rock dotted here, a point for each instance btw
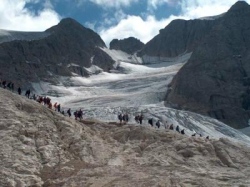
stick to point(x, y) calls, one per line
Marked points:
point(129, 45)
point(40, 147)
point(215, 81)
point(63, 45)
point(179, 37)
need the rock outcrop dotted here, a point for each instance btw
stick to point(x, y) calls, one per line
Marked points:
point(179, 37)
point(216, 79)
point(40, 147)
point(44, 58)
point(129, 45)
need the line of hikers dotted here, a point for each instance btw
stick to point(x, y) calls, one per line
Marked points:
point(138, 118)
point(171, 127)
point(40, 99)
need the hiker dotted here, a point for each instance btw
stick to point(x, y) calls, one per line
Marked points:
point(207, 138)
point(177, 129)
point(137, 118)
point(34, 97)
point(182, 131)
point(194, 134)
point(120, 118)
point(27, 93)
point(59, 108)
point(4, 84)
point(69, 112)
point(171, 127)
point(140, 118)
point(55, 106)
point(79, 114)
point(19, 91)
point(125, 118)
point(41, 99)
point(50, 105)
point(75, 114)
point(150, 121)
point(158, 124)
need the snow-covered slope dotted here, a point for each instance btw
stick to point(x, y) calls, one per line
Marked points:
point(134, 89)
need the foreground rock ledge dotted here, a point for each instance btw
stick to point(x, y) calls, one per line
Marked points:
point(39, 147)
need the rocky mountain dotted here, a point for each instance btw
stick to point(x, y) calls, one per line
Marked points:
point(129, 45)
point(179, 37)
point(40, 147)
point(215, 81)
point(60, 51)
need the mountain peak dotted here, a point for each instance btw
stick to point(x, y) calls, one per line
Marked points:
point(67, 23)
point(238, 6)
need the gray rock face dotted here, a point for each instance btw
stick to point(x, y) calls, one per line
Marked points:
point(129, 45)
point(43, 59)
point(40, 147)
point(179, 37)
point(216, 79)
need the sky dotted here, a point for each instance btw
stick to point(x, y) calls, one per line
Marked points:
point(111, 19)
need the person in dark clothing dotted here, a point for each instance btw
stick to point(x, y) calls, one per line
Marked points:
point(69, 112)
point(194, 134)
point(80, 113)
point(182, 131)
point(140, 118)
point(4, 84)
point(58, 107)
point(27, 94)
point(207, 137)
point(123, 118)
point(171, 127)
point(150, 121)
point(158, 124)
point(126, 118)
point(137, 118)
point(120, 118)
point(75, 114)
point(19, 91)
point(177, 129)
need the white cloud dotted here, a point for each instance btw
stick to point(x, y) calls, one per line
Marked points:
point(155, 3)
point(135, 26)
point(200, 8)
point(15, 16)
point(148, 28)
point(110, 3)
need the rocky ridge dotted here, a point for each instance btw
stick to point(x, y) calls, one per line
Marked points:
point(40, 147)
point(64, 49)
point(129, 45)
point(215, 81)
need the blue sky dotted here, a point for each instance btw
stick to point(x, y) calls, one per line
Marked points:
point(110, 18)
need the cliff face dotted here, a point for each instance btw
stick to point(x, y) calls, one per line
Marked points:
point(40, 147)
point(179, 37)
point(216, 80)
point(63, 46)
point(129, 45)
